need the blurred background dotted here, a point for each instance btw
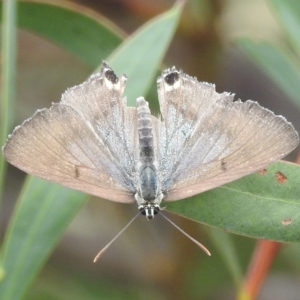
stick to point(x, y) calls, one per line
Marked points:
point(152, 260)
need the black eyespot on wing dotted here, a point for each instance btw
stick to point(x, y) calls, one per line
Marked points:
point(171, 78)
point(111, 76)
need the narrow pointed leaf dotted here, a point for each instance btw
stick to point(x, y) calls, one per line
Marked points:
point(282, 68)
point(288, 13)
point(140, 55)
point(83, 32)
point(42, 213)
point(224, 243)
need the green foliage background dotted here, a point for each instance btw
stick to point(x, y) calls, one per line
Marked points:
point(253, 206)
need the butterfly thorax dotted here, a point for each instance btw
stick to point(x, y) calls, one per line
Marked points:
point(148, 194)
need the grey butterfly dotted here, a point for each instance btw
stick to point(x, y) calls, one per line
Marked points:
point(92, 142)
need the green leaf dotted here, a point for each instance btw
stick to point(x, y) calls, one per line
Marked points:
point(258, 206)
point(224, 244)
point(40, 217)
point(279, 66)
point(141, 54)
point(288, 12)
point(8, 76)
point(83, 32)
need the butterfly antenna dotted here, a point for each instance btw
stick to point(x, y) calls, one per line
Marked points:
point(187, 235)
point(103, 249)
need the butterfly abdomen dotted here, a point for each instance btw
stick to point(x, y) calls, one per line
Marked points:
point(145, 132)
point(147, 161)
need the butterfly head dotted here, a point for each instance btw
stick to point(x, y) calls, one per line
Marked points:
point(149, 206)
point(149, 209)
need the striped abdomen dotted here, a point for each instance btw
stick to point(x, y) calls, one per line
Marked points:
point(147, 162)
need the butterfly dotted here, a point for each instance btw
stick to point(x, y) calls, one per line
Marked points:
point(93, 142)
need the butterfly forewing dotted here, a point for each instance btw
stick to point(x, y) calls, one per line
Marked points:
point(210, 140)
point(82, 142)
